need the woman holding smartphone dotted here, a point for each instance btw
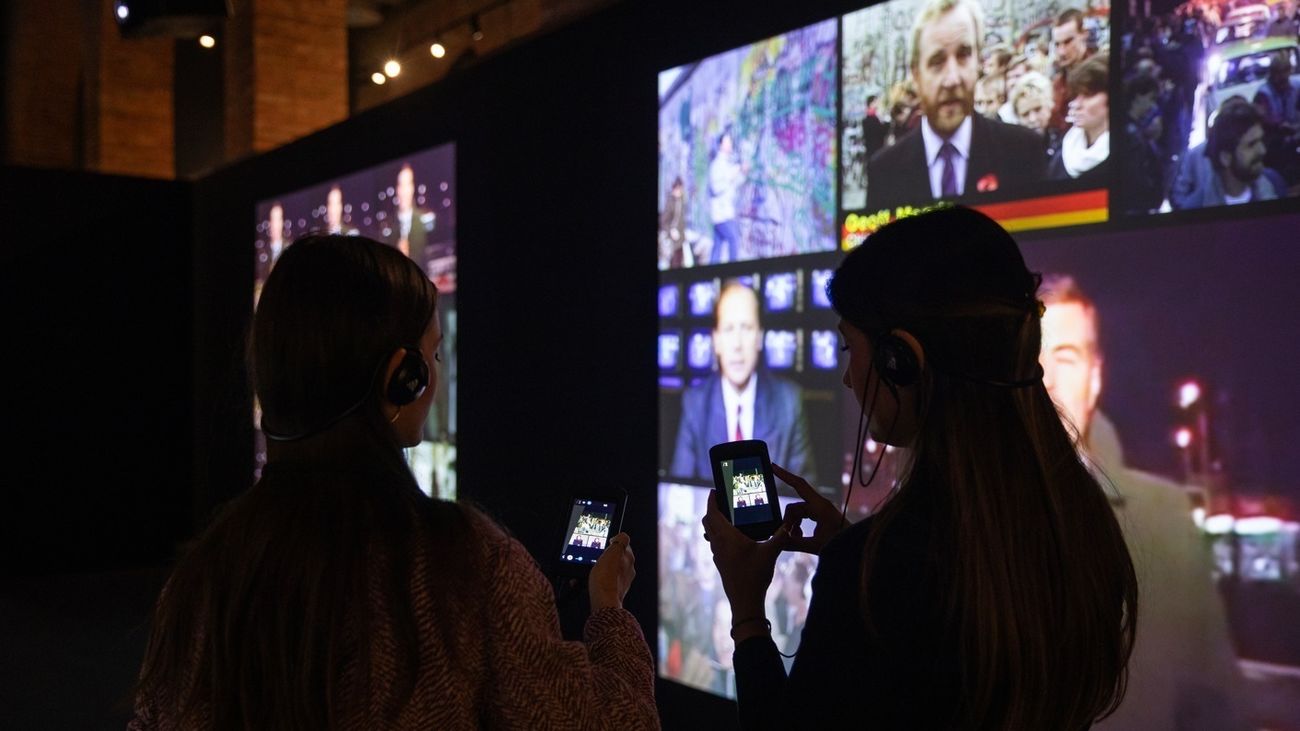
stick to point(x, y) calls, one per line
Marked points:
point(334, 594)
point(994, 589)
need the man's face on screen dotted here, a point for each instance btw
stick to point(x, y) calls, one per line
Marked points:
point(946, 68)
point(738, 336)
point(1034, 112)
point(987, 101)
point(1248, 158)
point(1070, 43)
point(334, 208)
point(1015, 72)
point(405, 188)
point(1071, 362)
point(275, 223)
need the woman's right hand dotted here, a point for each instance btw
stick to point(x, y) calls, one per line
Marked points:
point(612, 574)
point(828, 518)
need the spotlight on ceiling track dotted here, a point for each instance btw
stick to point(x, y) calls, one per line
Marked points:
point(378, 78)
point(475, 31)
point(437, 49)
point(186, 19)
point(392, 68)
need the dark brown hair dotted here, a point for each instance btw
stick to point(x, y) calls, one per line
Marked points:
point(268, 620)
point(1090, 77)
point(1040, 589)
point(1070, 15)
point(1230, 125)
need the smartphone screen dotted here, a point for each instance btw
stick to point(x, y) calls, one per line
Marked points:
point(590, 528)
point(747, 488)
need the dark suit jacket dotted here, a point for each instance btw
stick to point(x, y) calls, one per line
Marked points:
point(874, 132)
point(898, 176)
point(423, 221)
point(778, 420)
point(263, 261)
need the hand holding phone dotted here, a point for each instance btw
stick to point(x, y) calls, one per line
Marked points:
point(746, 488)
point(613, 574)
point(594, 520)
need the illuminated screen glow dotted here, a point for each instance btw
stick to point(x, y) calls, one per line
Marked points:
point(408, 203)
point(758, 201)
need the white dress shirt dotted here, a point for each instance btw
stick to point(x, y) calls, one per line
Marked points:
point(961, 141)
point(731, 398)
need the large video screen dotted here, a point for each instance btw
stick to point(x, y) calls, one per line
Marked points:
point(973, 105)
point(408, 203)
point(1208, 104)
point(1005, 107)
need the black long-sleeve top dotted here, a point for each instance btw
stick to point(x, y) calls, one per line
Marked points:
point(905, 675)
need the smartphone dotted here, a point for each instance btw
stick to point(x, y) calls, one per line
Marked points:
point(594, 518)
point(742, 473)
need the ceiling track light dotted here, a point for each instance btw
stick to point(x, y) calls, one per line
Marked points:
point(475, 31)
point(437, 49)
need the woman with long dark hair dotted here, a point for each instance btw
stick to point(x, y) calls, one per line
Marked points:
point(334, 594)
point(993, 590)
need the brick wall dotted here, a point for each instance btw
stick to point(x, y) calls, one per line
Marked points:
point(129, 110)
point(286, 72)
point(43, 50)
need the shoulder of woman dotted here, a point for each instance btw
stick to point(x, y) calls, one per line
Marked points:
point(479, 521)
point(500, 548)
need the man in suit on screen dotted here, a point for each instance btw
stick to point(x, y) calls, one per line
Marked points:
point(334, 214)
point(1183, 673)
point(270, 248)
point(741, 401)
point(955, 153)
point(413, 224)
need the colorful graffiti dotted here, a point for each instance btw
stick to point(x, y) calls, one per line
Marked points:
point(776, 100)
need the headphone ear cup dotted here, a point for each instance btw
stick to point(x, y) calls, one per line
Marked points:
point(409, 380)
point(896, 361)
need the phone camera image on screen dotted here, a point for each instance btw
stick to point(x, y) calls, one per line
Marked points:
point(780, 291)
point(744, 480)
point(781, 347)
point(589, 531)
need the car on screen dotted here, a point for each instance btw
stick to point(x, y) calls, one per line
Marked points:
point(1247, 21)
point(1240, 69)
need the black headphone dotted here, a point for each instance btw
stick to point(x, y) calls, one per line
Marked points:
point(409, 380)
point(406, 385)
point(895, 360)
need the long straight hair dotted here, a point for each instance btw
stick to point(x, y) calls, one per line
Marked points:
point(1040, 591)
point(269, 620)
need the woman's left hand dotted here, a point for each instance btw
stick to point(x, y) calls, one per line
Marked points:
point(745, 565)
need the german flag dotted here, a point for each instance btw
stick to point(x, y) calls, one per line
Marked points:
point(1055, 211)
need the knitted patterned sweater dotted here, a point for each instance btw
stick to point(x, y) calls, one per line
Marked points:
point(511, 668)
